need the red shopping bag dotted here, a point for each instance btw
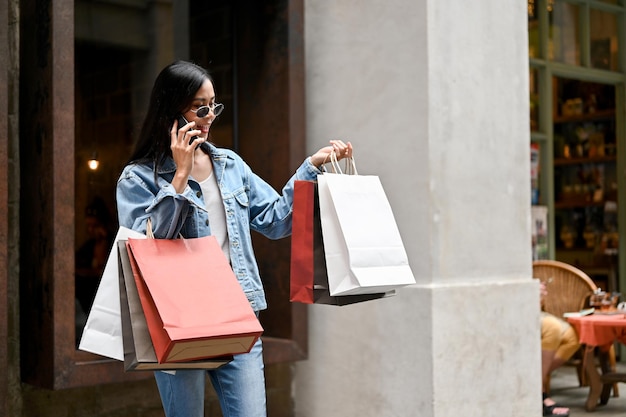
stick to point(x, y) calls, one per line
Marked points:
point(194, 306)
point(308, 278)
point(302, 265)
point(139, 354)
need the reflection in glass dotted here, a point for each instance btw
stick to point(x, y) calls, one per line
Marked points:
point(103, 130)
point(603, 43)
point(585, 172)
point(586, 100)
point(534, 99)
point(534, 4)
point(563, 41)
point(91, 257)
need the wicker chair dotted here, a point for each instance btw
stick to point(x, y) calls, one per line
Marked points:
point(569, 289)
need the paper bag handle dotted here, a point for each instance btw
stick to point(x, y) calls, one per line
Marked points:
point(350, 168)
point(149, 232)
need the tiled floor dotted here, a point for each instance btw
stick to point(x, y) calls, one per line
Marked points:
point(565, 391)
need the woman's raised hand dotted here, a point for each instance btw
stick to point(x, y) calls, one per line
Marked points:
point(341, 149)
point(183, 152)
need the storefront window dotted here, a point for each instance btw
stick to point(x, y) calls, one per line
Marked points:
point(563, 41)
point(603, 42)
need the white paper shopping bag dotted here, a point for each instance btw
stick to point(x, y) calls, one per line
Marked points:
point(103, 332)
point(362, 243)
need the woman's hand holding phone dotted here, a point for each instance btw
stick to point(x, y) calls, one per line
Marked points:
point(183, 151)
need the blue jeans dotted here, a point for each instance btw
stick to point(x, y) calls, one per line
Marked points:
point(240, 387)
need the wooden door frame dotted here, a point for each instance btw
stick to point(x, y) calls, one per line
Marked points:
point(4, 210)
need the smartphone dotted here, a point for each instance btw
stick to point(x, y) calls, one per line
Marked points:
point(182, 122)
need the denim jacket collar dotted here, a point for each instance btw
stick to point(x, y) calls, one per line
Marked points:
point(169, 166)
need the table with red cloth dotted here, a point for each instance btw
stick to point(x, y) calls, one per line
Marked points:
point(600, 331)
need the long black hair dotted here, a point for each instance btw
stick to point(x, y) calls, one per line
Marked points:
point(172, 94)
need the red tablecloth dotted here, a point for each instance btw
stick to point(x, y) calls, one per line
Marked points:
point(599, 329)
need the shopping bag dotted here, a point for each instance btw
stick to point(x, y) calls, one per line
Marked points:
point(102, 334)
point(308, 278)
point(139, 354)
point(194, 306)
point(362, 244)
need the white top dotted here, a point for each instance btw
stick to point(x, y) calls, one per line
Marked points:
point(217, 215)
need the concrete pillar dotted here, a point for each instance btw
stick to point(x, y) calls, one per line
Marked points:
point(434, 96)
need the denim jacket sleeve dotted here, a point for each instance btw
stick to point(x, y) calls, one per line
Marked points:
point(270, 212)
point(139, 198)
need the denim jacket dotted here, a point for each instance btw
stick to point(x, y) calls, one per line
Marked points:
point(249, 203)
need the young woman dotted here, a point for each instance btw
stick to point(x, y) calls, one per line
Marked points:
point(186, 186)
